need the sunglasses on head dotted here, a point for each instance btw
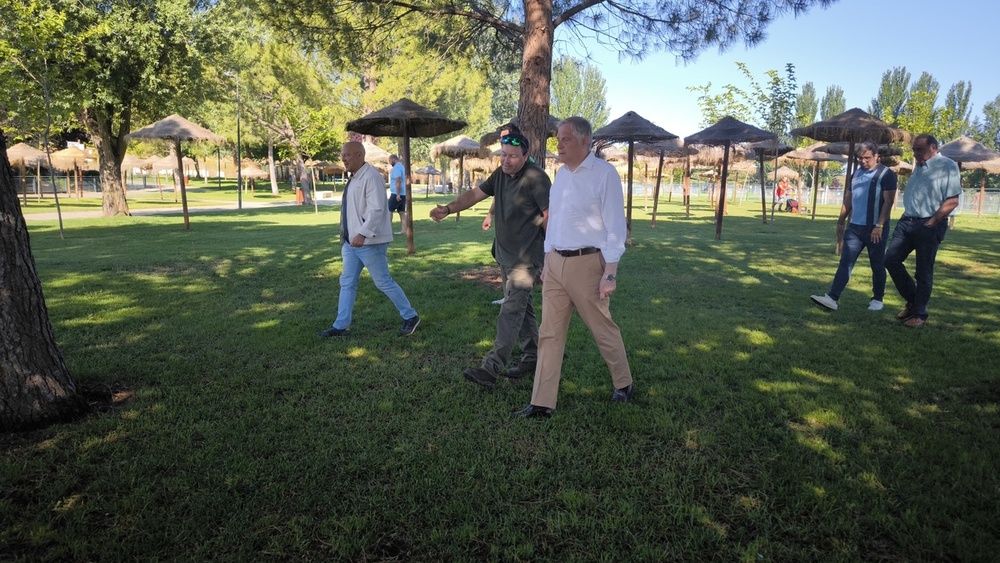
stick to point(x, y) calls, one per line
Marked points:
point(512, 140)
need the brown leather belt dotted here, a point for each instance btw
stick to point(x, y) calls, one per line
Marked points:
point(578, 252)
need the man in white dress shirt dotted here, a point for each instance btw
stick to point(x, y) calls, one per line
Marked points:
point(584, 240)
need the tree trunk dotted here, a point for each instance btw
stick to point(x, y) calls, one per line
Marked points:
point(272, 169)
point(536, 75)
point(111, 148)
point(35, 386)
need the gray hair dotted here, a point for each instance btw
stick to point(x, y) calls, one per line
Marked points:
point(866, 146)
point(581, 127)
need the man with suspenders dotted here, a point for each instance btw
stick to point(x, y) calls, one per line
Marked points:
point(867, 204)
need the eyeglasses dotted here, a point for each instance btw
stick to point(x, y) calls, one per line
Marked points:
point(511, 140)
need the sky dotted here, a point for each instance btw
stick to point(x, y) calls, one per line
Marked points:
point(850, 44)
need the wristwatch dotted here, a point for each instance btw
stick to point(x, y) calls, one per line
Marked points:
point(878, 225)
point(611, 277)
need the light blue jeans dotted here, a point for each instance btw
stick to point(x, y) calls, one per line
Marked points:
point(373, 257)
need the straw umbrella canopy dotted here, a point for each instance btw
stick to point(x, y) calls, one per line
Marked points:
point(169, 162)
point(177, 129)
point(23, 155)
point(813, 154)
point(131, 161)
point(253, 172)
point(853, 126)
point(375, 153)
point(969, 153)
point(458, 147)
point(631, 128)
point(845, 149)
point(727, 131)
point(71, 158)
point(427, 171)
point(788, 173)
point(405, 118)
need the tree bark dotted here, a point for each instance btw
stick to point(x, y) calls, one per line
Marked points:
point(111, 146)
point(536, 75)
point(272, 169)
point(35, 386)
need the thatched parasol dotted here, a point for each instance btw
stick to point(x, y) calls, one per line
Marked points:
point(254, 172)
point(631, 128)
point(131, 161)
point(169, 162)
point(375, 153)
point(845, 149)
point(853, 126)
point(23, 155)
point(71, 158)
point(786, 172)
point(405, 119)
point(727, 131)
point(969, 153)
point(458, 147)
point(744, 166)
point(428, 171)
point(177, 129)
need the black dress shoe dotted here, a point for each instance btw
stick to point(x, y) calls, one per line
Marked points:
point(480, 376)
point(522, 369)
point(532, 411)
point(331, 332)
point(622, 395)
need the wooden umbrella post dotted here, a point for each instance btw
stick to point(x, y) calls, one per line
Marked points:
point(180, 180)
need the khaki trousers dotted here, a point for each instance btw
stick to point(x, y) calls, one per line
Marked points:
point(574, 283)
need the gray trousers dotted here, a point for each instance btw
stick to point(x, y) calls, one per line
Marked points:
point(517, 322)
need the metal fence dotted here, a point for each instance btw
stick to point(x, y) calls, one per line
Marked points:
point(827, 195)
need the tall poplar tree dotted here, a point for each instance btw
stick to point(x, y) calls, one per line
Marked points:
point(806, 106)
point(893, 92)
point(579, 88)
point(833, 102)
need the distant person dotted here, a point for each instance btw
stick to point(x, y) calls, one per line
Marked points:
point(397, 192)
point(931, 194)
point(868, 204)
point(365, 234)
point(781, 194)
point(520, 190)
point(584, 241)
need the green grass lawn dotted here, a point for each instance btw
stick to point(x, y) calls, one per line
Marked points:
point(763, 428)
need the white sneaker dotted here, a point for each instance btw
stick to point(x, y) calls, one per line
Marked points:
point(825, 300)
point(875, 305)
point(499, 301)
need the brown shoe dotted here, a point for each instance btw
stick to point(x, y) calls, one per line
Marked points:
point(906, 313)
point(914, 322)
